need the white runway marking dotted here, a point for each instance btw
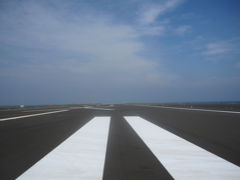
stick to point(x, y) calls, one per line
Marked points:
point(81, 156)
point(31, 115)
point(94, 108)
point(192, 109)
point(42, 110)
point(182, 159)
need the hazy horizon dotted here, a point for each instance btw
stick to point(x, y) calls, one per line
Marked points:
point(169, 103)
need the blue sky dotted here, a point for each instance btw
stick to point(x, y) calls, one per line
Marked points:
point(79, 51)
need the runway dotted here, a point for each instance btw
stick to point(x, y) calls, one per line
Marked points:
point(119, 142)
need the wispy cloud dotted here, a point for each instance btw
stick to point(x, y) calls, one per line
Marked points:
point(91, 47)
point(156, 30)
point(181, 30)
point(150, 12)
point(81, 50)
point(217, 48)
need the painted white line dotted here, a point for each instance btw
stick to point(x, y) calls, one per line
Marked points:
point(105, 109)
point(42, 110)
point(192, 109)
point(75, 107)
point(31, 115)
point(182, 159)
point(81, 156)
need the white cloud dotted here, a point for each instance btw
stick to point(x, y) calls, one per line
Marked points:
point(91, 47)
point(157, 30)
point(217, 48)
point(150, 12)
point(181, 30)
point(149, 15)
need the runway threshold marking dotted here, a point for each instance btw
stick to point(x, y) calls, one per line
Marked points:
point(31, 115)
point(81, 156)
point(184, 160)
point(193, 109)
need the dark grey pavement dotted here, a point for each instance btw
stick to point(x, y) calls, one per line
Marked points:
point(128, 157)
point(25, 141)
point(217, 132)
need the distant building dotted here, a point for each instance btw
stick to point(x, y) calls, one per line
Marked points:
point(22, 106)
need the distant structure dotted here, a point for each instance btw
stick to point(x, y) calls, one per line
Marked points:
point(22, 106)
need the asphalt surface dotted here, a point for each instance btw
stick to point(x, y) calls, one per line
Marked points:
point(217, 132)
point(24, 112)
point(128, 157)
point(25, 141)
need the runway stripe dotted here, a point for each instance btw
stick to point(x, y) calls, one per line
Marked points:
point(79, 157)
point(31, 115)
point(42, 110)
point(128, 158)
point(94, 108)
point(193, 109)
point(184, 160)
